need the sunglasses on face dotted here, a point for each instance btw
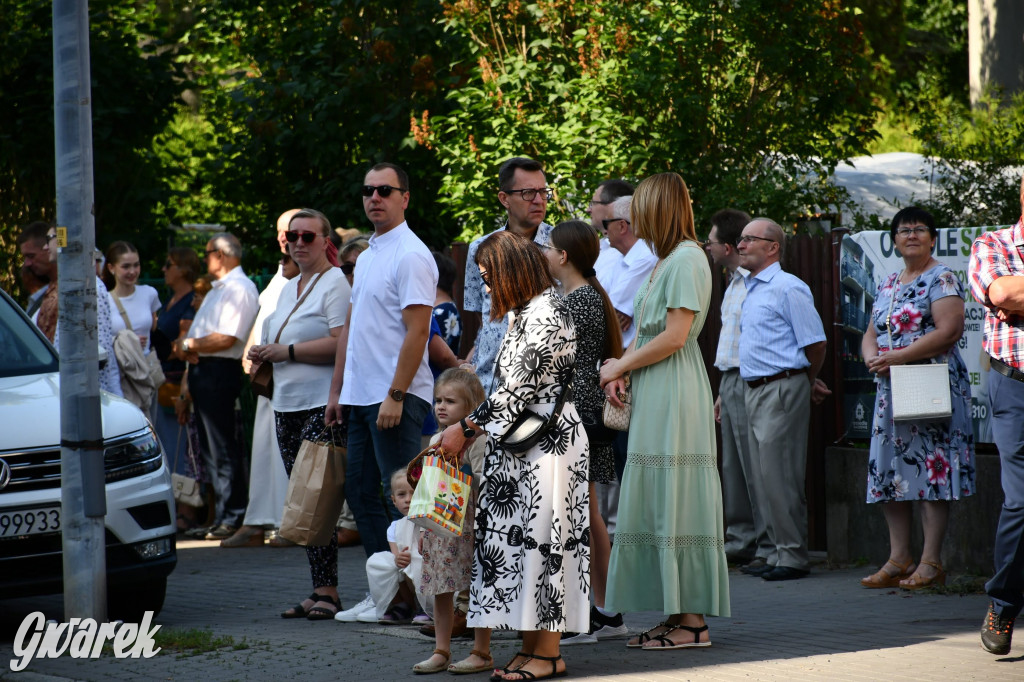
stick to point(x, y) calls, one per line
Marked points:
point(293, 236)
point(383, 190)
point(347, 268)
point(486, 278)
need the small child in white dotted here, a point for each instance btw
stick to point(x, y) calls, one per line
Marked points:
point(397, 572)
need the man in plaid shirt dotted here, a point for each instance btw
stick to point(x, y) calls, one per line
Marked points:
point(997, 281)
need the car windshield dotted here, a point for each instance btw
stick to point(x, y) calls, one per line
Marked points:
point(24, 349)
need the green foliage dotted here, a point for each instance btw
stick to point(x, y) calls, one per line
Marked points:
point(978, 156)
point(133, 89)
point(609, 89)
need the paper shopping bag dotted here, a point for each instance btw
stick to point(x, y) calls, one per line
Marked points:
point(442, 493)
point(316, 491)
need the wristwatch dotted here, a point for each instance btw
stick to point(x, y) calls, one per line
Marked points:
point(396, 395)
point(466, 430)
point(184, 345)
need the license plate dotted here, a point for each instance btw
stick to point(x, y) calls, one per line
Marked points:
point(29, 522)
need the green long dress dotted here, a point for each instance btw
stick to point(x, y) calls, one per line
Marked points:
point(669, 539)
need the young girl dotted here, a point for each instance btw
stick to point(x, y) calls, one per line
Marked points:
point(137, 303)
point(448, 562)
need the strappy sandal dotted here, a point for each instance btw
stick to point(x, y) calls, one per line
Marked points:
point(322, 612)
point(916, 582)
point(428, 668)
point(464, 668)
point(527, 675)
point(645, 636)
point(664, 643)
point(298, 611)
point(883, 579)
point(498, 672)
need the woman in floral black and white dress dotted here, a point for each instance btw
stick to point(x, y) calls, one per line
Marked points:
point(531, 557)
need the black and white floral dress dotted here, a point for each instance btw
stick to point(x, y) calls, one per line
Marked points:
point(531, 562)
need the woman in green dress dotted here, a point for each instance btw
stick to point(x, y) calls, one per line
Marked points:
point(669, 542)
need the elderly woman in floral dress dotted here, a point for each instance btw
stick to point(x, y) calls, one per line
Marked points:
point(917, 318)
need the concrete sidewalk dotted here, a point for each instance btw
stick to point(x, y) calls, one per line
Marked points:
point(823, 627)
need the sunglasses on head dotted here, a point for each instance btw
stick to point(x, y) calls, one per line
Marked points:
point(347, 268)
point(293, 236)
point(383, 190)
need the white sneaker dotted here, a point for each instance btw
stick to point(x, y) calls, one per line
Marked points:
point(368, 616)
point(351, 615)
point(568, 639)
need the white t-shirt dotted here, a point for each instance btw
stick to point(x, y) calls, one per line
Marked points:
point(139, 307)
point(395, 272)
point(300, 385)
point(229, 308)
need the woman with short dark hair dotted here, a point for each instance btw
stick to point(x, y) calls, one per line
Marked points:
point(531, 555)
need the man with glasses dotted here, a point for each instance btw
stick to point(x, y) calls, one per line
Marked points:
point(32, 242)
point(781, 349)
point(381, 367)
point(523, 192)
point(746, 537)
point(213, 347)
point(600, 211)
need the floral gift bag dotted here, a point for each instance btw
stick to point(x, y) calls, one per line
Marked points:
point(442, 493)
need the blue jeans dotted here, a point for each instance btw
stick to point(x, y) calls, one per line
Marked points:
point(1006, 588)
point(373, 455)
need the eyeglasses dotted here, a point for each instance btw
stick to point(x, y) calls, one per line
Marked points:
point(51, 236)
point(210, 252)
point(747, 238)
point(347, 268)
point(486, 278)
point(549, 246)
point(710, 242)
point(606, 223)
point(594, 202)
point(529, 194)
point(906, 231)
point(292, 236)
point(383, 190)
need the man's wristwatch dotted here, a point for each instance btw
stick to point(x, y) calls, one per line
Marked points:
point(396, 395)
point(185, 346)
point(466, 430)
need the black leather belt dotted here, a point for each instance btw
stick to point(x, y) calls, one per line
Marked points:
point(754, 383)
point(1006, 370)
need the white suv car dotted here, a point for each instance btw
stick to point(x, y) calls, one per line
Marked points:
point(140, 526)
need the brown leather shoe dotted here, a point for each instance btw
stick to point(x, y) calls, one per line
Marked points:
point(459, 627)
point(348, 537)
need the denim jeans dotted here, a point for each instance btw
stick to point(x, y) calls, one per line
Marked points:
point(1006, 398)
point(373, 455)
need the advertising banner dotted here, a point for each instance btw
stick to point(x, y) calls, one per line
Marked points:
point(867, 259)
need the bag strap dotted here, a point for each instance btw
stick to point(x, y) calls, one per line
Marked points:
point(305, 295)
point(191, 455)
point(892, 301)
point(120, 309)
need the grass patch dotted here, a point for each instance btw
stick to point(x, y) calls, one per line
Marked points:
point(195, 641)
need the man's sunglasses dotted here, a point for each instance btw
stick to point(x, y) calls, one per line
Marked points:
point(307, 237)
point(347, 268)
point(383, 190)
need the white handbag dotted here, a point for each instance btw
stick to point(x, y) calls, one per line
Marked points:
point(919, 392)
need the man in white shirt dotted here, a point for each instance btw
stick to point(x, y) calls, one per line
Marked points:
point(746, 536)
point(600, 211)
point(523, 192)
point(381, 364)
point(214, 347)
point(625, 277)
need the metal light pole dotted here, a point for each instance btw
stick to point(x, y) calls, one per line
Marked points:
point(83, 497)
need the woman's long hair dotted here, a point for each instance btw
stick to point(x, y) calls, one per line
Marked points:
point(186, 260)
point(113, 254)
point(516, 270)
point(582, 246)
point(661, 213)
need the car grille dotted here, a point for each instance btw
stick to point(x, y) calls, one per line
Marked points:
point(34, 469)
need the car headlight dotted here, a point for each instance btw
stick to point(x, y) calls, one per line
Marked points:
point(132, 456)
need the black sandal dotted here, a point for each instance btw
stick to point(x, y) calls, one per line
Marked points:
point(645, 636)
point(322, 612)
point(298, 611)
point(497, 677)
point(665, 644)
point(527, 675)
